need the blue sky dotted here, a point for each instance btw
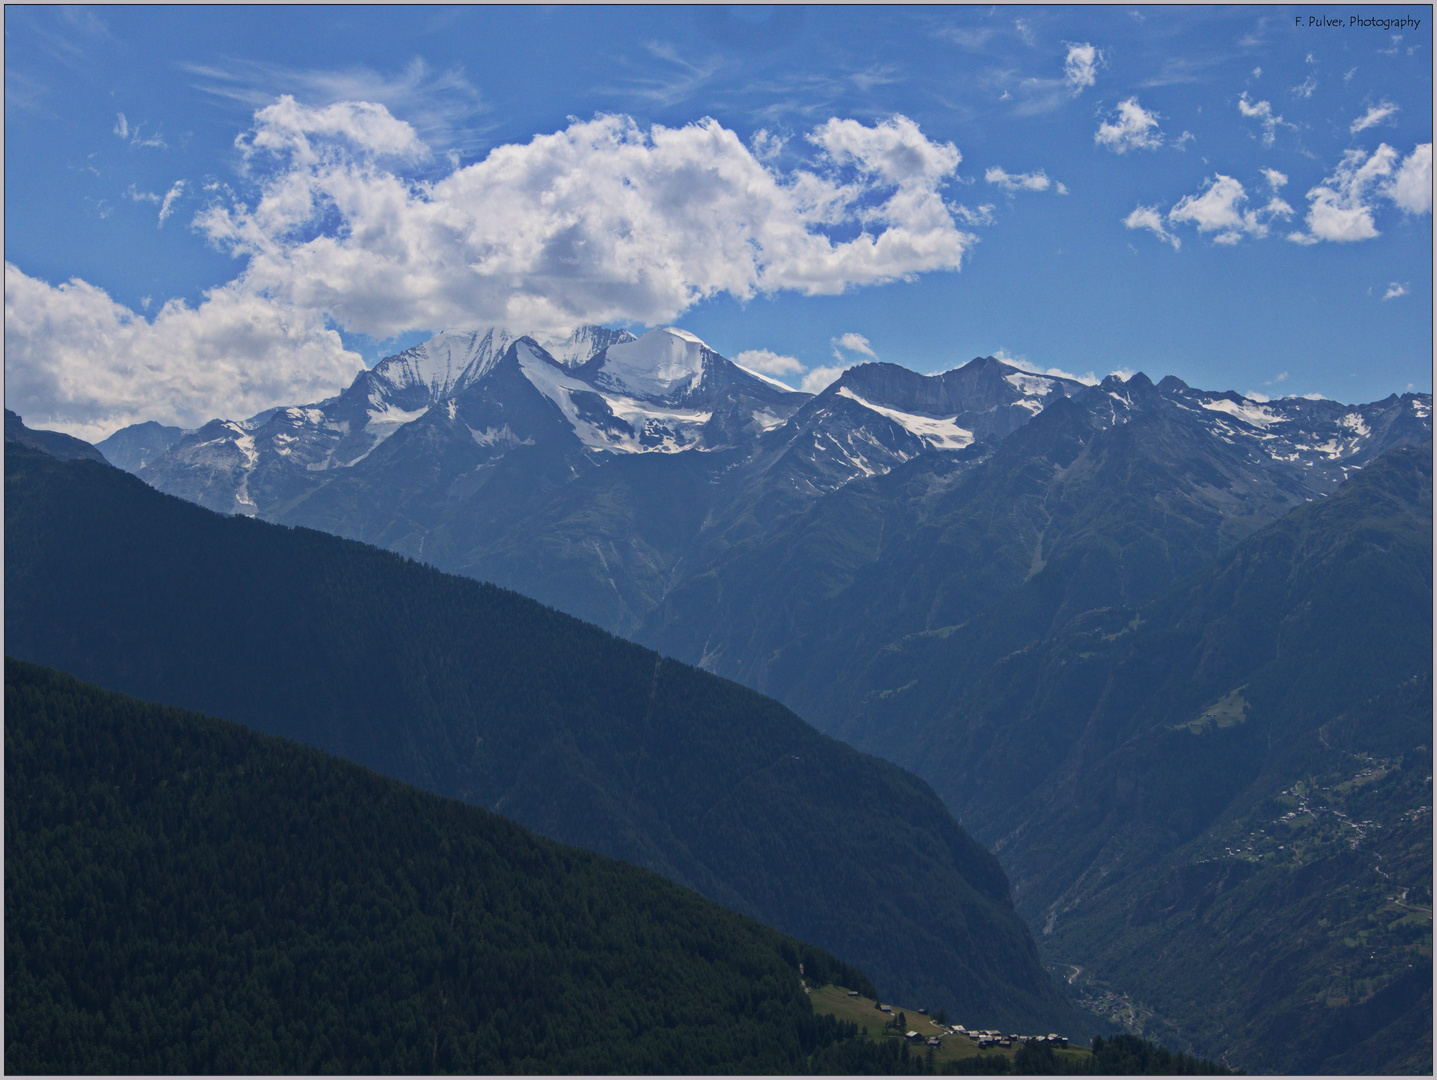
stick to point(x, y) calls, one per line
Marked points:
point(212, 210)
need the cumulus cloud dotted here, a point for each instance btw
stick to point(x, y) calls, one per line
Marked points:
point(343, 221)
point(1221, 208)
point(78, 361)
point(1305, 88)
point(1394, 290)
point(821, 378)
point(1411, 188)
point(1147, 217)
point(1262, 112)
point(1133, 128)
point(1375, 115)
point(602, 221)
point(1343, 206)
point(1013, 182)
point(1275, 179)
point(770, 363)
point(852, 343)
point(1080, 67)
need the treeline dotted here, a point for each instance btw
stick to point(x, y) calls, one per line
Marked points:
point(185, 895)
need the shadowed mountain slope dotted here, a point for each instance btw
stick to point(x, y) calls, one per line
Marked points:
point(185, 895)
point(470, 691)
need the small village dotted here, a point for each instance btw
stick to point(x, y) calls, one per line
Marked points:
point(923, 1030)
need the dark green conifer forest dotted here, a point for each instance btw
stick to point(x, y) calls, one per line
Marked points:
point(183, 895)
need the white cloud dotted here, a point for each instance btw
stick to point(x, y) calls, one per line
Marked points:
point(1261, 111)
point(133, 135)
point(1253, 395)
point(1342, 207)
point(168, 206)
point(983, 215)
point(1219, 208)
point(1013, 182)
point(1375, 115)
point(142, 196)
point(1275, 179)
point(766, 145)
point(1411, 188)
point(1135, 128)
point(1061, 188)
point(1394, 290)
point(1147, 217)
point(852, 342)
point(78, 361)
point(770, 363)
point(1122, 373)
point(287, 127)
point(1180, 143)
point(1080, 67)
point(1305, 88)
point(1023, 364)
point(820, 378)
point(600, 222)
point(445, 109)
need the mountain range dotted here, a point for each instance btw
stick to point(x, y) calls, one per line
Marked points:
point(477, 693)
point(907, 560)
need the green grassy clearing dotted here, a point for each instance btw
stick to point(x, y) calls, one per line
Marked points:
point(864, 1012)
point(1229, 710)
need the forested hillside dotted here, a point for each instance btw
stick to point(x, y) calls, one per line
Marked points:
point(471, 691)
point(184, 895)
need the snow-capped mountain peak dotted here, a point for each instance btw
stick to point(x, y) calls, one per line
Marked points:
point(666, 363)
point(446, 362)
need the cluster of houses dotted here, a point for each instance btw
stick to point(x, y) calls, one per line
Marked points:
point(996, 1038)
point(984, 1039)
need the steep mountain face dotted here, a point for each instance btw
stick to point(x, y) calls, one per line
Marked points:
point(1106, 497)
point(1239, 770)
point(473, 692)
point(55, 443)
point(247, 467)
point(134, 447)
point(237, 903)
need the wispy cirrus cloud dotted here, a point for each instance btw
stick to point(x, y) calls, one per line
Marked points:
point(446, 110)
point(1261, 111)
point(167, 206)
point(1376, 114)
point(1038, 180)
